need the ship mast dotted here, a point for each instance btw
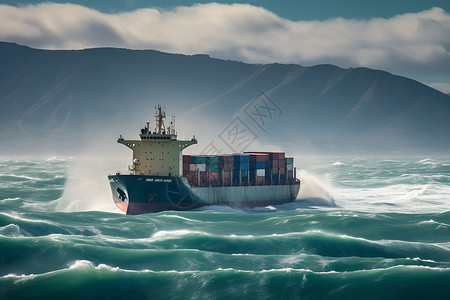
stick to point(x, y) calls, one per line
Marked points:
point(159, 116)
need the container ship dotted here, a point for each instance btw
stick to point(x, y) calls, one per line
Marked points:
point(162, 178)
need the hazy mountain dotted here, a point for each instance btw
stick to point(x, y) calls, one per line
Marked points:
point(57, 100)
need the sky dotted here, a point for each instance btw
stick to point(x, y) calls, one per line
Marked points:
point(405, 37)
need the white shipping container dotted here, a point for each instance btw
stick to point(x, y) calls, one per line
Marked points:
point(289, 167)
point(201, 167)
point(260, 172)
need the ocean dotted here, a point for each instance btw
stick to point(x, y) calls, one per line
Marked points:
point(362, 228)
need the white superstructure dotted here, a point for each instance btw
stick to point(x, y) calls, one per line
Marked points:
point(157, 153)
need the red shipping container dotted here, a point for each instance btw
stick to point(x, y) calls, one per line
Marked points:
point(186, 159)
point(226, 181)
point(261, 157)
point(260, 180)
point(227, 175)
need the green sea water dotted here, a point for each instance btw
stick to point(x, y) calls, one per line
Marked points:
point(360, 229)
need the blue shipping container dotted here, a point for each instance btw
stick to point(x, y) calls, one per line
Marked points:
point(262, 164)
point(241, 158)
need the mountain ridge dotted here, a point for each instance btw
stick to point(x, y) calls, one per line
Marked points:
point(47, 93)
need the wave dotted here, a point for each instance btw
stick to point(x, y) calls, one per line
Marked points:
point(178, 217)
point(427, 161)
point(85, 279)
point(13, 177)
point(86, 264)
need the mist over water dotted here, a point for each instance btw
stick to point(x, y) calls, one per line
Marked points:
point(360, 227)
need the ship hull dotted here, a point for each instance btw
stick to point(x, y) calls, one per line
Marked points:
point(140, 194)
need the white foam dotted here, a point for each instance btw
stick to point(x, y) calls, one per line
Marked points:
point(18, 216)
point(11, 230)
point(174, 234)
point(314, 190)
point(420, 259)
point(87, 187)
point(20, 176)
point(179, 217)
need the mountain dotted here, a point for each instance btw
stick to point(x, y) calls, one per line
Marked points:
point(60, 101)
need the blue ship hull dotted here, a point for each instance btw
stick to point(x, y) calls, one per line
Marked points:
point(139, 194)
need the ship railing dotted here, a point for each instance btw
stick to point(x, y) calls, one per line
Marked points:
point(124, 172)
point(187, 139)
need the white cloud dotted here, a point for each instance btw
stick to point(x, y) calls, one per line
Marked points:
point(411, 42)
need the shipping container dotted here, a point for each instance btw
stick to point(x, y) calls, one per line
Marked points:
point(260, 180)
point(225, 162)
point(241, 166)
point(275, 179)
point(242, 158)
point(260, 172)
point(197, 159)
point(290, 176)
point(213, 160)
point(250, 168)
point(262, 165)
point(226, 174)
point(258, 156)
point(289, 163)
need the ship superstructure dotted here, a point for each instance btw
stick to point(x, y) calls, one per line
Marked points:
point(157, 153)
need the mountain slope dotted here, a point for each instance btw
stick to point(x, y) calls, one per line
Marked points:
point(61, 97)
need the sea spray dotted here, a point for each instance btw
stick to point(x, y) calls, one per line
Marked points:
point(87, 187)
point(313, 191)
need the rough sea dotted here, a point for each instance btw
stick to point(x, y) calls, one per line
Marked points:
point(361, 229)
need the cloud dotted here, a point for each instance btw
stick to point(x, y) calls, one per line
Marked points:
point(416, 42)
